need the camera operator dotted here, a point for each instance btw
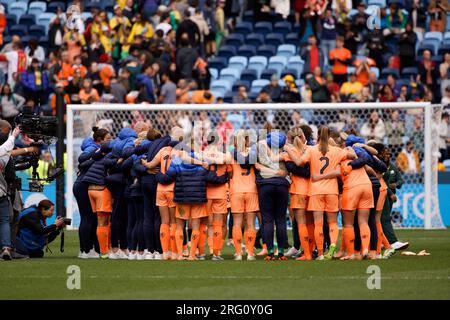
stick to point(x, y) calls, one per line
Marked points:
point(34, 234)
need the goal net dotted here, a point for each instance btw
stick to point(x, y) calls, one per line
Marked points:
point(394, 124)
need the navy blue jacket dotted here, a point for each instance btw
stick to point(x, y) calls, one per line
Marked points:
point(97, 171)
point(152, 150)
point(88, 148)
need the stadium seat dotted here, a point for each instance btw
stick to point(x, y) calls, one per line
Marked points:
point(27, 19)
point(282, 27)
point(227, 51)
point(17, 8)
point(380, 3)
point(447, 164)
point(446, 36)
point(266, 51)
point(375, 70)
point(19, 30)
point(274, 39)
point(43, 41)
point(36, 31)
point(434, 35)
point(239, 83)
point(53, 6)
point(221, 85)
point(25, 40)
point(443, 49)
point(286, 50)
point(36, 8)
point(300, 82)
point(230, 74)
point(292, 38)
point(214, 73)
point(228, 97)
point(424, 47)
point(257, 85)
point(217, 63)
point(387, 71)
point(92, 5)
point(291, 71)
point(44, 20)
point(217, 94)
point(24, 1)
point(249, 75)
point(438, 59)
point(85, 16)
point(235, 39)
point(255, 39)
point(263, 27)
point(278, 63)
point(257, 63)
point(409, 72)
point(248, 16)
point(11, 19)
point(246, 51)
point(267, 74)
point(238, 62)
point(243, 28)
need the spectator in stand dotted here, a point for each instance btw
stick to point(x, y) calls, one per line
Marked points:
point(332, 87)
point(182, 92)
point(88, 94)
point(242, 96)
point(428, 71)
point(35, 51)
point(392, 83)
point(395, 21)
point(210, 18)
point(341, 10)
point(403, 97)
point(73, 41)
point(386, 94)
point(140, 27)
point(407, 47)
point(444, 71)
point(220, 19)
point(168, 90)
point(146, 80)
point(328, 36)
point(59, 89)
point(318, 86)
point(363, 70)
point(352, 39)
point(359, 20)
point(128, 9)
point(95, 49)
point(417, 135)
point(446, 97)
point(201, 74)
point(314, 10)
point(10, 103)
point(444, 139)
point(373, 85)
point(408, 159)
point(17, 61)
point(418, 16)
point(273, 88)
point(437, 10)
point(35, 83)
point(395, 130)
point(100, 27)
point(312, 55)
point(202, 26)
point(353, 86)
point(263, 97)
point(374, 128)
point(75, 84)
point(224, 128)
point(377, 47)
point(340, 58)
point(365, 95)
point(190, 28)
point(290, 92)
point(186, 57)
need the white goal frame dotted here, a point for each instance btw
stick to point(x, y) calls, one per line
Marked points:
point(427, 106)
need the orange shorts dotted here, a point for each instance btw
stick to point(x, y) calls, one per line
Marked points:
point(190, 211)
point(217, 206)
point(324, 202)
point(244, 202)
point(381, 200)
point(101, 200)
point(358, 197)
point(165, 199)
point(299, 201)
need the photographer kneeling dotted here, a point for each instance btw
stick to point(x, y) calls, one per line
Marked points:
point(34, 234)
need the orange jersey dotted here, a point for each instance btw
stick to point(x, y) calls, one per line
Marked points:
point(242, 180)
point(383, 184)
point(217, 191)
point(353, 177)
point(165, 158)
point(299, 185)
point(323, 164)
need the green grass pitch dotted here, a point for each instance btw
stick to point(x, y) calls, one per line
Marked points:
point(402, 277)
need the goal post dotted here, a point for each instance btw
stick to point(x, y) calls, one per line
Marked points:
point(418, 204)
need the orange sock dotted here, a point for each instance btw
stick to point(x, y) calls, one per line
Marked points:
point(202, 240)
point(217, 238)
point(318, 236)
point(365, 237)
point(195, 237)
point(173, 244)
point(264, 246)
point(349, 240)
point(103, 234)
point(164, 236)
point(304, 239)
point(250, 238)
point(179, 241)
point(344, 239)
point(237, 240)
point(310, 228)
point(386, 243)
point(334, 232)
point(380, 237)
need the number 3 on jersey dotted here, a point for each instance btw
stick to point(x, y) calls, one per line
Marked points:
point(327, 162)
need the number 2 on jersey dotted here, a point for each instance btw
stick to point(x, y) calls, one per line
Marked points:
point(327, 162)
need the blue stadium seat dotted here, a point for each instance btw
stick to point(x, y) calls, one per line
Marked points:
point(263, 27)
point(227, 51)
point(282, 27)
point(255, 39)
point(438, 59)
point(249, 75)
point(228, 97)
point(43, 41)
point(239, 83)
point(447, 164)
point(217, 63)
point(266, 51)
point(214, 73)
point(235, 39)
point(257, 85)
point(274, 39)
point(36, 8)
point(92, 5)
point(403, 82)
point(243, 28)
point(446, 36)
point(17, 8)
point(19, 30)
point(44, 20)
point(424, 47)
point(221, 85)
point(36, 31)
point(253, 95)
point(85, 16)
point(267, 74)
point(27, 19)
point(238, 62)
point(434, 35)
point(387, 71)
point(246, 51)
point(380, 3)
point(434, 42)
point(25, 40)
point(24, 1)
point(257, 63)
point(248, 16)
point(11, 19)
point(443, 49)
point(294, 72)
point(292, 38)
point(278, 63)
point(376, 71)
point(54, 5)
point(286, 50)
point(230, 74)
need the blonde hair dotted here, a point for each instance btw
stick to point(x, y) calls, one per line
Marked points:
point(324, 136)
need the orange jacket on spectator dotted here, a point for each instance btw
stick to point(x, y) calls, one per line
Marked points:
point(403, 164)
point(53, 102)
point(198, 96)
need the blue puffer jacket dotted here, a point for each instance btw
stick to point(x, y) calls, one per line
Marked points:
point(97, 171)
point(133, 175)
point(88, 148)
point(190, 181)
point(124, 140)
point(121, 145)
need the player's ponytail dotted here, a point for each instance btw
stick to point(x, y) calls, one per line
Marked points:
point(324, 136)
point(99, 134)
